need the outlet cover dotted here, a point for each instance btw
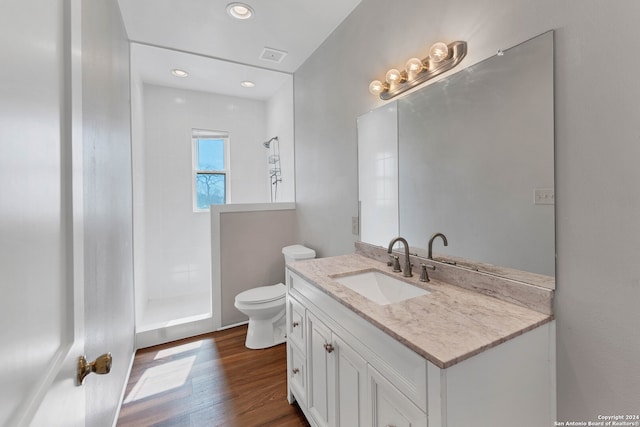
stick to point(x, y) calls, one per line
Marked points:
point(355, 226)
point(544, 196)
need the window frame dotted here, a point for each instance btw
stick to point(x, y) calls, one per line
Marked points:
point(199, 134)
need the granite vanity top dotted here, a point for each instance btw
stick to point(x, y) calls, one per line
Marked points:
point(447, 326)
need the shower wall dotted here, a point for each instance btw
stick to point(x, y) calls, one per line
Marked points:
point(176, 241)
point(280, 124)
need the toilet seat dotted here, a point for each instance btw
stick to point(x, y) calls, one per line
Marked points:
point(262, 294)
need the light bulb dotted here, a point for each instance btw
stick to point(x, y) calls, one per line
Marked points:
point(376, 87)
point(393, 76)
point(239, 10)
point(438, 52)
point(179, 73)
point(413, 67)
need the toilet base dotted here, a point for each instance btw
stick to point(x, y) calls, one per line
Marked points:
point(265, 333)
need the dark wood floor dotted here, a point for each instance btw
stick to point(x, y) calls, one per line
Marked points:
point(209, 380)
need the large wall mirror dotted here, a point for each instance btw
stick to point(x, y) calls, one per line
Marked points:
point(475, 156)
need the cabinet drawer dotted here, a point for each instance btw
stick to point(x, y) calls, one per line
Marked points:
point(296, 323)
point(297, 373)
point(389, 407)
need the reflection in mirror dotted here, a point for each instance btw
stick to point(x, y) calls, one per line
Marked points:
point(473, 150)
point(378, 175)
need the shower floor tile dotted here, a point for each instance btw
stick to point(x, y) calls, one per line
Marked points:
point(165, 312)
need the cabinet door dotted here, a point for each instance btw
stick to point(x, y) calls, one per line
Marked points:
point(389, 407)
point(351, 386)
point(320, 368)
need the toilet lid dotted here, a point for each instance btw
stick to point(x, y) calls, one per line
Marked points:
point(262, 294)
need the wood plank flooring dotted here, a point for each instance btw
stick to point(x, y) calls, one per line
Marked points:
point(209, 380)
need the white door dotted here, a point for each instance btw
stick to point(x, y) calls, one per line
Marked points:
point(41, 309)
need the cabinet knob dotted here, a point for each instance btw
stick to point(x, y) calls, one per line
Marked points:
point(294, 324)
point(329, 347)
point(295, 371)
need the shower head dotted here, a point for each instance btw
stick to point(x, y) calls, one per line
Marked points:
point(267, 144)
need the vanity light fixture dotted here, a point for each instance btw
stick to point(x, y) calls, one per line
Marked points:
point(442, 57)
point(179, 73)
point(239, 10)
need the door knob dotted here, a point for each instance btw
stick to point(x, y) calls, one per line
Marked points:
point(329, 347)
point(101, 366)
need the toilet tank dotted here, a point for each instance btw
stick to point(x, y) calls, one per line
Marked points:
point(297, 253)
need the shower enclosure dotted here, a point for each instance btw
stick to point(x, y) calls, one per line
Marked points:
point(173, 189)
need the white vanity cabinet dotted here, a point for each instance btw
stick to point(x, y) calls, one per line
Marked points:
point(344, 371)
point(342, 387)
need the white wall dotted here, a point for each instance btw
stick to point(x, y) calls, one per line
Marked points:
point(139, 208)
point(280, 124)
point(34, 212)
point(597, 147)
point(176, 239)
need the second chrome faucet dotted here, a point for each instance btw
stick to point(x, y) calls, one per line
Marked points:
point(407, 262)
point(430, 247)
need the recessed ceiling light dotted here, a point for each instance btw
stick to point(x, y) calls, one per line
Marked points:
point(247, 83)
point(239, 10)
point(179, 73)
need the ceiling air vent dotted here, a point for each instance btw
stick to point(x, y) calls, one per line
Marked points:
point(272, 55)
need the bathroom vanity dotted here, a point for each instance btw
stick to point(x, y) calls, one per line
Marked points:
point(476, 350)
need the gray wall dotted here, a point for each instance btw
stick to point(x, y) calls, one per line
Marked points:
point(251, 254)
point(597, 147)
point(109, 319)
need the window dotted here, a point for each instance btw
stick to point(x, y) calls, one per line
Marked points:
point(210, 170)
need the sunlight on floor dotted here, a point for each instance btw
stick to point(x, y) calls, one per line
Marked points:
point(161, 378)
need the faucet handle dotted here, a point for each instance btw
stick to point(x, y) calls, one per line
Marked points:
point(396, 264)
point(424, 276)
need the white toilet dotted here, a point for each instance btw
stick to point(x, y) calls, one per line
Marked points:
point(265, 306)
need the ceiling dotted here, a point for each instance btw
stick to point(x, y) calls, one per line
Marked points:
point(219, 51)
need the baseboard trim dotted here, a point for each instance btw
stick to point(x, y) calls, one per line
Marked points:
point(235, 325)
point(124, 389)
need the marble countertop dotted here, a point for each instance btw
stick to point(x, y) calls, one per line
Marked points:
point(447, 326)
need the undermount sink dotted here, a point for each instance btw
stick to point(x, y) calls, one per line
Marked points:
point(379, 287)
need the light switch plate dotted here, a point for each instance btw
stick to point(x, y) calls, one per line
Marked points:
point(355, 226)
point(544, 196)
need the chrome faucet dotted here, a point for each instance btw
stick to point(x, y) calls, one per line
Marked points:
point(407, 262)
point(444, 239)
